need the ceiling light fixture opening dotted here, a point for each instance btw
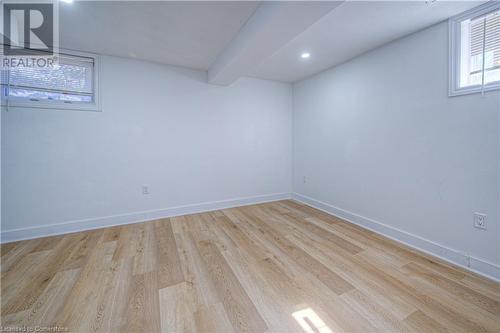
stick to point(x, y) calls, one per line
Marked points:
point(305, 55)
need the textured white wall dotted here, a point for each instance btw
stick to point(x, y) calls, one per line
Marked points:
point(379, 137)
point(164, 127)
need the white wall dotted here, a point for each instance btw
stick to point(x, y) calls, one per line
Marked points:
point(378, 138)
point(164, 127)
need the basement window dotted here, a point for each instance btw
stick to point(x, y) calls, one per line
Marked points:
point(71, 84)
point(475, 50)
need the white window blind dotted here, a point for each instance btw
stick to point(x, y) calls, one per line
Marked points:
point(483, 39)
point(475, 50)
point(70, 82)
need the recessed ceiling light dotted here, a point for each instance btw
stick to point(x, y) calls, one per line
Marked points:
point(305, 55)
point(67, 1)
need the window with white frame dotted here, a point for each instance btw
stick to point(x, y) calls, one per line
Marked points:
point(475, 50)
point(72, 83)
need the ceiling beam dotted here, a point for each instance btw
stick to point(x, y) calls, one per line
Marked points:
point(271, 27)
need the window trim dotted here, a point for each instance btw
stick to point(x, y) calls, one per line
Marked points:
point(47, 105)
point(454, 51)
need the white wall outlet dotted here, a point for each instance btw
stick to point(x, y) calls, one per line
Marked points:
point(480, 221)
point(304, 179)
point(145, 189)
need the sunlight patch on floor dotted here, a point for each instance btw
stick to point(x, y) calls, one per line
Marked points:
point(310, 321)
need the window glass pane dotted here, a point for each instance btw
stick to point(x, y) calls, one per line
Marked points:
point(41, 95)
point(69, 75)
point(466, 60)
point(476, 34)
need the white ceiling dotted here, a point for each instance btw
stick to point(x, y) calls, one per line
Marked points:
point(352, 29)
point(230, 39)
point(186, 33)
point(272, 26)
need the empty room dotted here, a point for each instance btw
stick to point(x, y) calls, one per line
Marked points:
point(250, 166)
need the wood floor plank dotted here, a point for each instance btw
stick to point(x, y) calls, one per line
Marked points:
point(452, 304)
point(14, 319)
point(150, 253)
point(329, 236)
point(115, 314)
point(169, 266)
point(84, 247)
point(321, 232)
point(241, 311)
point(20, 275)
point(431, 304)
point(380, 317)
point(135, 319)
point(48, 243)
point(303, 294)
point(484, 286)
point(80, 307)
point(51, 301)
point(177, 310)
point(322, 273)
point(28, 295)
point(212, 319)
point(333, 244)
point(420, 322)
point(466, 294)
point(6, 247)
point(362, 278)
point(151, 302)
point(143, 242)
point(263, 276)
point(12, 257)
point(274, 267)
point(194, 270)
point(113, 233)
point(124, 243)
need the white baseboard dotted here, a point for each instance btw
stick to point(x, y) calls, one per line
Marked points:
point(479, 266)
point(108, 221)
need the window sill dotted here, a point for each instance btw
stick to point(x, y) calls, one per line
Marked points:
point(473, 90)
point(48, 106)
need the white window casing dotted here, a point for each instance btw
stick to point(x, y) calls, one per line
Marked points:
point(474, 50)
point(73, 84)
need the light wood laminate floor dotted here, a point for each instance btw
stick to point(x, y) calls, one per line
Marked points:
point(279, 267)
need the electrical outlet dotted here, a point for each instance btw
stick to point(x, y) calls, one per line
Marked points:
point(304, 180)
point(480, 221)
point(145, 189)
